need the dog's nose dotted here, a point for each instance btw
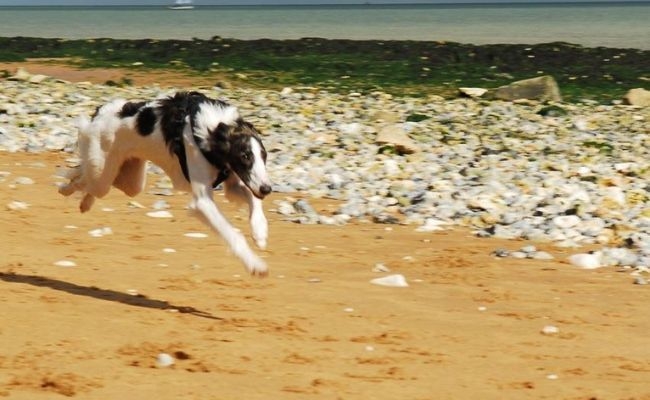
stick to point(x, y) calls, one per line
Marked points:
point(265, 189)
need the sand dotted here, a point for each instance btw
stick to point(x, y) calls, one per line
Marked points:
point(469, 326)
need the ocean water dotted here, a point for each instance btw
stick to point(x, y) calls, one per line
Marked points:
point(624, 25)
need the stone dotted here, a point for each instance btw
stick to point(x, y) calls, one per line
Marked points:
point(566, 221)
point(101, 232)
point(164, 360)
point(20, 75)
point(472, 92)
point(384, 116)
point(542, 88)
point(23, 180)
point(585, 261)
point(501, 253)
point(380, 267)
point(396, 136)
point(550, 330)
point(160, 214)
point(541, 255)
point(637, 97)
point(396, 280)
point(65, 263)
point(17, 205)
point(195, 235)
point(38, 78)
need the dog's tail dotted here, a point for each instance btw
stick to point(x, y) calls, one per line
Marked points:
point(84, 126)
point(82, 122)
point(73, 170)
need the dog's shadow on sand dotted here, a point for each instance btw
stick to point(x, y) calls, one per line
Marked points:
point(102, 294)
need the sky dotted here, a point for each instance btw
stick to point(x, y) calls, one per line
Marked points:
point(249, 2)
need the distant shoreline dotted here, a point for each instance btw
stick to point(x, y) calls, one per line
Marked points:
point(590, 24)
point(361, 5)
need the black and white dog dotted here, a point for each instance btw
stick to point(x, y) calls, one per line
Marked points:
point(198, 141)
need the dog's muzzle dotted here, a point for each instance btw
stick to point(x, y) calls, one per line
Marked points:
point(265, 190)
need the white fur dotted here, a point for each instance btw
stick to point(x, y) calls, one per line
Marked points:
point(113, 153)
point(209, 118)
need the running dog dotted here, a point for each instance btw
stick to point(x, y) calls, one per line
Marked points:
point(199, 142)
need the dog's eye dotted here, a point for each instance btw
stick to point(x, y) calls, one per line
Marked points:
point(245, 156)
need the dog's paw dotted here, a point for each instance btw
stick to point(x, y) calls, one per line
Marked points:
point(67, 189)
point(257, 267)
point(86, 203)
point(260, 230)
point(261, 243)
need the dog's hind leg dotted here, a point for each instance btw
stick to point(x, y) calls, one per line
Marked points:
point(132, 176)
point(74, 175)
point(98, 180)
point(86, 203)
point(235, 190)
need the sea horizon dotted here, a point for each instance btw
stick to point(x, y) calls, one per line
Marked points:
point(590, 24)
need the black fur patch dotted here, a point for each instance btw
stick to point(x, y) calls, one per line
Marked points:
point(146, 121)
point(173, 112)
point(130, 108)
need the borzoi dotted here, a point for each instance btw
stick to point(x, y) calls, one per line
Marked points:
point(199, 142)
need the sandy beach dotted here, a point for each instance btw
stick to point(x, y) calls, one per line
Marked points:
point(469, 325)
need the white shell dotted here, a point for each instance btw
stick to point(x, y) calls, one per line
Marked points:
point(396, 280)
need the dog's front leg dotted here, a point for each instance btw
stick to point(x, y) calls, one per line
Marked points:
point(206, 210)
point(259, 224)
point(235, 190)
point(201, 178)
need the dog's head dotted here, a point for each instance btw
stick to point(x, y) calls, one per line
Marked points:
point(241, 147)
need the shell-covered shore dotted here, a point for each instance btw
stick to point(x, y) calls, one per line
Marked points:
point(572, 174)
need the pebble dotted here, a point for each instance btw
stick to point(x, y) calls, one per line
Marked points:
point(160, 205)
point(380, 267)
point(196, 235)
point(23, 180)
point(528, 251)
point(164, 360)
point(541, 255)
point(550, 330)
point(17, 206)
point(160, 214)
point(65, 263)
point(135, 204)
point(585, 261)
point(572, 179)
point(100, 232)
point(396, 280)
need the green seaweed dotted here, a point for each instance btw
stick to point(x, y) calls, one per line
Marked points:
point(399, 67)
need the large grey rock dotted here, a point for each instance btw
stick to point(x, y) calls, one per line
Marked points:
point(542, 88)
point(395, 135)
point(23, 75)
point(637, 97)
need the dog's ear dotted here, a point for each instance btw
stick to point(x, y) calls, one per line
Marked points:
point(221, 133)
point(219, 145)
